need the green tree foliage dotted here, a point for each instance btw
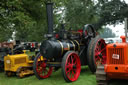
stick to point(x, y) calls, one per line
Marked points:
point(36, 12)
point(79, 12)
point(5, 22)
point(28, 17)
point(14, 18)
point(111, 12)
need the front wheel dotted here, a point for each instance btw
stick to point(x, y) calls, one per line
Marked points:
point(40, 67)
point(71, 66)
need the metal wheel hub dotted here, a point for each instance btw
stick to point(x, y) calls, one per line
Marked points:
point(100, 54)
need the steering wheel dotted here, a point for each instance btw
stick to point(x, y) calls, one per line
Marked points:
point(88, 31)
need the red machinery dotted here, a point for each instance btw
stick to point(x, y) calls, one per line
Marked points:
point(68, 50)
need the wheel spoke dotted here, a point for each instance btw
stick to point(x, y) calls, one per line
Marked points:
point(101, 43)
point(40, 70)
point(97, 58)
point(74, 70)
point(74, 63)
point(104, 43)
point(103, 57)
point(68, 73)
point(68, 66)
point(99, 46)
point(68, 70)
point(71, 59)
point(102, 49)
point(45, 71)
point(97, 49)
point(72, 74)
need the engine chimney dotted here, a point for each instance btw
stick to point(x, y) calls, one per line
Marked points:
point(49, 8)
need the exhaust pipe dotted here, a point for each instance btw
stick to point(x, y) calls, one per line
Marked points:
point(49, 8)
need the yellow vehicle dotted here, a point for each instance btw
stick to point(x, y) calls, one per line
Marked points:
point(19, 64)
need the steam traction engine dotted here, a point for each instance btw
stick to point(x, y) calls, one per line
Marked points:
point(68, 50)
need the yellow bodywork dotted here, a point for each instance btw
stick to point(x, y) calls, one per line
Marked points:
point(13, 62)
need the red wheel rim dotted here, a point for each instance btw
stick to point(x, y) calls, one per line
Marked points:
point(100, 52)
point(72, 66)
point(41, 68)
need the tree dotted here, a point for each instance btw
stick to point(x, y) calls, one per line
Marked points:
point(23, 17)
point(79, 12)
point(28, 18)
point(13, 18)
point(111, 12)
point(5, 22)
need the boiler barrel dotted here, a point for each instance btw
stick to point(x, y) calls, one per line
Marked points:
point(55, 48)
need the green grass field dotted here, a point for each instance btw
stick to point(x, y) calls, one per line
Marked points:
point(85, 78)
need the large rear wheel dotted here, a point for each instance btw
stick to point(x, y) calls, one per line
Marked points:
point(71, 66)
point(40, 67)
point(96, 53)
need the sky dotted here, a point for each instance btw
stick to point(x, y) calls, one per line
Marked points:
point(118, 29)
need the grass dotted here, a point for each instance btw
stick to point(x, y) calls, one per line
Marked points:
point(85, 78)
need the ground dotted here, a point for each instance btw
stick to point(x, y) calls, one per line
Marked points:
point(86, 78)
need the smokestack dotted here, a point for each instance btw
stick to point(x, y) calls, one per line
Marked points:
point(49, 8)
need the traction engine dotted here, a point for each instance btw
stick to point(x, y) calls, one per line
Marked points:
point(68, 50)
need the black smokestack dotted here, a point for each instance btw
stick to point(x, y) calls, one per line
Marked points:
point(49, 8)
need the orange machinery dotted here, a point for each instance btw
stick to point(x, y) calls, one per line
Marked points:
point(117, 62)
